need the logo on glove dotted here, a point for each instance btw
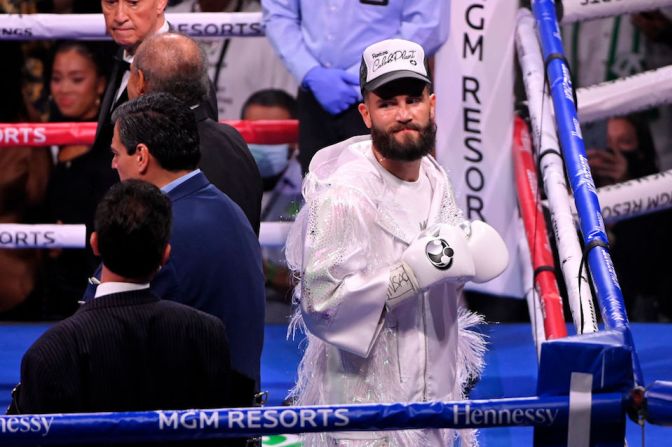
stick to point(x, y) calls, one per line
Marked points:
point(439, 253)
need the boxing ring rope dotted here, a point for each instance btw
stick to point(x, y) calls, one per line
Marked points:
point(581, 10)
point(57, 134)
point(626, 95)
point(42, 236)
point(555, 408)
point(537, 236)
point(550, 163)
point(92, 26)
point(635, 197)
point(531, 291)
point(163, 425)
point(585, 196)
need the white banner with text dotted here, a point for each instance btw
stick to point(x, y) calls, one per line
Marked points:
point(474, 75)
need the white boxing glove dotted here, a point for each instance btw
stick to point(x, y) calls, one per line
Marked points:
point(488, 251)
point(441, 255)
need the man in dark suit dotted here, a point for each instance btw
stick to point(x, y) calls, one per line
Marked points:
point(215, 264)
point(126, 350)
point(129, 23)
point(175, 64)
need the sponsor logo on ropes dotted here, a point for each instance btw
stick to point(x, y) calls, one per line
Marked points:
point(254, 419)
point(567, 83)
point(20, 239)
point(221, 29)
point(529, 416)
point(585, 178)
point(596, 2)
point(24, 32)
point(26, 424)
point(22, 135)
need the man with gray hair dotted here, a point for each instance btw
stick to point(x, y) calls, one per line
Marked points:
point(129, 23)
point(175, 64)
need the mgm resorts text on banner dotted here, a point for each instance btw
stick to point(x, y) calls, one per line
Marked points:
point(474, 88)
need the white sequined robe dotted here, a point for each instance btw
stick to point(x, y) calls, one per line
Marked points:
point(359, 351)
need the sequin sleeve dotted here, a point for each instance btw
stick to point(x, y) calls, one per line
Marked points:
point(342, 296)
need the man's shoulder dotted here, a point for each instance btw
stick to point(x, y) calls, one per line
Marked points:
point(183, 315)
point(221, 129)
point(57, 338)
point(214, 135)
point(200, 196)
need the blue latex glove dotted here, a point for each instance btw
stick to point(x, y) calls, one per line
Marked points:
point(334, 89)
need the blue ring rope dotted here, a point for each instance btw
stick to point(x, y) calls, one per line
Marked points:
point(59, 429)
point(606, 284)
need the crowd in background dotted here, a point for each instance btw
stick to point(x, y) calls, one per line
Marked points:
point(64, 82)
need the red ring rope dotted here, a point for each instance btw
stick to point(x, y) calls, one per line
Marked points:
point(57, 134)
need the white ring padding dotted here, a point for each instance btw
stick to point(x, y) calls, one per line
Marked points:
point(580, 401)
point(274, 234)
point(545, 137)
point(622, 96)
point(579, 10)
point(634, 198)
point(92, 26)
point(42, 236)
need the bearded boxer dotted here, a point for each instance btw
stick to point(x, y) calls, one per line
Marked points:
point(382, 253)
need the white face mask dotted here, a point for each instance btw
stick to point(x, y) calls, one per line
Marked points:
point(271, 159)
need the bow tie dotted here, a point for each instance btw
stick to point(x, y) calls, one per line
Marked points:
point(123, 64)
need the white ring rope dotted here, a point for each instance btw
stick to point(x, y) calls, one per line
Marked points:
point(92, 26)
point(42, 236)
point(543, 128)
point(622, 96)
point(271, 234)
point(578, 10)
point(274, 234)
point(634, 198)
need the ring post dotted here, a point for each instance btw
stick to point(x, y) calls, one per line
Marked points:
point(584, 367)
point(576, 162)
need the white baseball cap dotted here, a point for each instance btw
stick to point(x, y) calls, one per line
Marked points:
point(390, 60)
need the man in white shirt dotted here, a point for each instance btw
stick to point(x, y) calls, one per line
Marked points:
point(382, 252)
point(129, 22)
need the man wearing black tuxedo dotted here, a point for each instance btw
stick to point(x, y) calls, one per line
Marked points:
point(129, 22)
point(127, 350)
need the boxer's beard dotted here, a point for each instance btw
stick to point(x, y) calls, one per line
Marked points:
point(410, 147)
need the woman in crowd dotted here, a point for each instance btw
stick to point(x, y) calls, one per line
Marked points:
point(80, 176)
point(642, 273)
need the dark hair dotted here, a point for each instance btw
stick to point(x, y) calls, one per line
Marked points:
point(271, 98)
point(179, 69)
point(90, 51)
point(165, 125)
point(646, 162)
point(133, 226)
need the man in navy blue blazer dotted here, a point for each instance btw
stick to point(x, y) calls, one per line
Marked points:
point(215, 263)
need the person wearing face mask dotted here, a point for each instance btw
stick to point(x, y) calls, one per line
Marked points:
point(281, 174)
point(272, 159)
point(642, 273)
point(80, 176)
